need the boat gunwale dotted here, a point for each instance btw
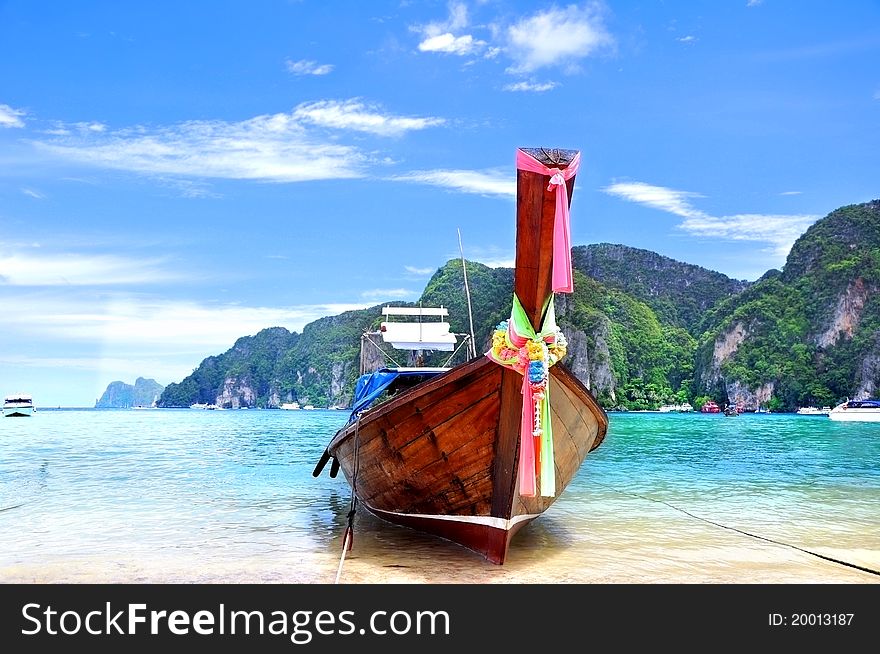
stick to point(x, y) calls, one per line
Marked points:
point(561, 373)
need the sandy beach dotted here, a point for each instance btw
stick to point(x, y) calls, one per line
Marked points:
point(673, 552)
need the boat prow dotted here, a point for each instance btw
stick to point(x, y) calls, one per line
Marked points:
point(442, 456)
point(476, 452)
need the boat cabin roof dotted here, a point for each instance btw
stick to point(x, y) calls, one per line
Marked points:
point(419, 334)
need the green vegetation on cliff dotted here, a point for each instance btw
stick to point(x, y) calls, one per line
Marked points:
point(643, 329)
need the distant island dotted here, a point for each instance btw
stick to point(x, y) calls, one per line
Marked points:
point(119, 395)
point(643, 330)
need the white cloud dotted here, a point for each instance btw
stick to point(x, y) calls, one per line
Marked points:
point(10, 117)
point(355, 115)
point(274, 147)
point(491, 256)
point(497, 263)
point(687, 39)
point(777, 230)
point(92, 126)
point(459, 45)
point(488, 182)
point(382, 294)
point(781, 231)
point(877, 94)
point(25, 269)
point(306, 67)
point(753, 3)
point(34, 194)
point(535, 87)
point(658, 197)
point(556, 37)
point(135, 323)
point(791, 193)
point(440, 36)
point(420, 272)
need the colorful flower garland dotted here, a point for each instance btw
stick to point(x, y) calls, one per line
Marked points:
point(515, 344)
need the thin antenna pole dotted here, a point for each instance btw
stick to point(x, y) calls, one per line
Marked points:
point(473, 345)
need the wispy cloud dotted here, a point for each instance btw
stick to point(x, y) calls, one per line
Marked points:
point(355, 115)
point(419, 272)
point(67, 269)
point(491, 256)
point(791, 193)
point(36, 195)
point(753, 3)
point(877, 94)
point(10, 117)
point(658, 197)
point(687, 39)
point(450, 44)
point(440, 36)
point(534, 87)
point(557, 37)
point(307, 67)
point(381, 294)
point(778, 230)
point(278, 147)
point(139, 323)
point(485, 182)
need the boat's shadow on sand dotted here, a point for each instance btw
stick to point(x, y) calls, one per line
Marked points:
point(380, 548)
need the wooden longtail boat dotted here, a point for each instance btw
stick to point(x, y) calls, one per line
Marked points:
point(453, 454)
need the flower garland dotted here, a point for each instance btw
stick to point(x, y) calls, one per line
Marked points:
point(515, 344)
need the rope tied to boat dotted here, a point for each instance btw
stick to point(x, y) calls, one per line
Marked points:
point(515, 344)
point(348, 534)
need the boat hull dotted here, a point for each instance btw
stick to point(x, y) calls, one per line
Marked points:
point(443, 456)
point(855, 415)
point(17, 411)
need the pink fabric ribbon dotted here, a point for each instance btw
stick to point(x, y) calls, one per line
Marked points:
point(562, 274)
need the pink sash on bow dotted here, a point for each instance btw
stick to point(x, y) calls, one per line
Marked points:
point(562, 274)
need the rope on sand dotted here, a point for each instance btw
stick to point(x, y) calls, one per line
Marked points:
point(745, 533)
point(348, 536)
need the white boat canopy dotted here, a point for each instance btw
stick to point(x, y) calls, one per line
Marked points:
point(418, 335)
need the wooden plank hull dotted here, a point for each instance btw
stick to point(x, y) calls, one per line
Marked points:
point(442, 457)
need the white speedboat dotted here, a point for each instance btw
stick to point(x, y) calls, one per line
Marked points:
point(18, 404)
point(867, 410)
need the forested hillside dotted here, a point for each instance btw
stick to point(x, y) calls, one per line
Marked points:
point(643, 329)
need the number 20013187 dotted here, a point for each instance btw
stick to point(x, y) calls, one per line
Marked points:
point(810, 619)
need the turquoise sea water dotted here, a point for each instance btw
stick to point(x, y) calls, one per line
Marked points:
point(187, 495)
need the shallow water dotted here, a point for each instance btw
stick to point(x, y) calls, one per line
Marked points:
point(228, 496)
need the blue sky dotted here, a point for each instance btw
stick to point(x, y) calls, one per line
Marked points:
point(174, 175)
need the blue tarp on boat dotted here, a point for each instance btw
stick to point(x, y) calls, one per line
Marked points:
point(371, 386)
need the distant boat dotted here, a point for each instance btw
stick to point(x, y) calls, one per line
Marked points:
point(198, 405)
point(308, 407)
point(710, 407)
point(813, 411)
point(18, 404)
point(685, 408)
point(867, 410)
point(290, 406)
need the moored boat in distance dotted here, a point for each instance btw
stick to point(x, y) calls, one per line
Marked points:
point(710, 407)
point(290, 406)
point(18, 405)
point(474, 452)
point(813, 411)
point(867, 410)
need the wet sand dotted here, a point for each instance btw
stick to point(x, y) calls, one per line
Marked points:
point(614, 552)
